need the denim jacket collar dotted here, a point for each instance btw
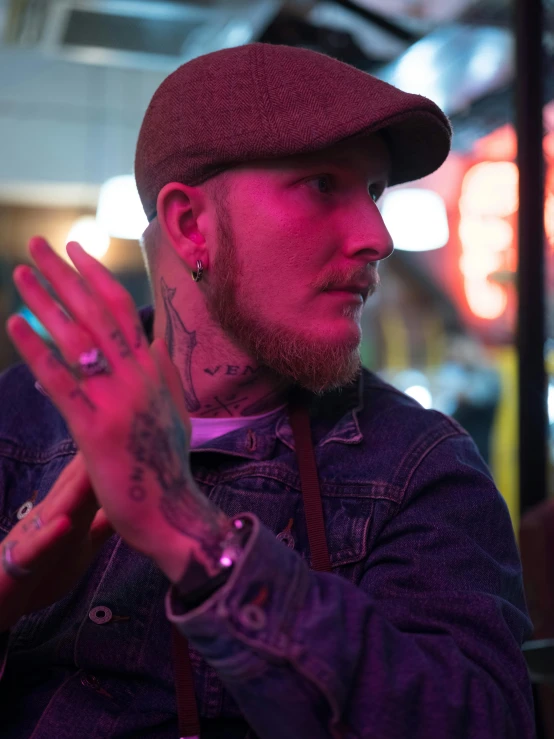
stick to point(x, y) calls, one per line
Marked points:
point(258, 441)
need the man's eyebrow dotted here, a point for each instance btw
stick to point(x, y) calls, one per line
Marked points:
point(382, 176)
point(319, 162)
point(338, 160)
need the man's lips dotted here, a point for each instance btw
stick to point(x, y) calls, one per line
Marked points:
point(364, 289)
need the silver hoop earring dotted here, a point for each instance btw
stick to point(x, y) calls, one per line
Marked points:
point(197, 276)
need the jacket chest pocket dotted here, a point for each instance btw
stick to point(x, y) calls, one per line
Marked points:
point(347, 521)
point(347, 517)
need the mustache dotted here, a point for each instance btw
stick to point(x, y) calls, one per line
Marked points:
point(375, 281)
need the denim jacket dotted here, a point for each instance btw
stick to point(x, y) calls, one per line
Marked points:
point(417, 633)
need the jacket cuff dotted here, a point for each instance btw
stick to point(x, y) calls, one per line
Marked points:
point(247, 615)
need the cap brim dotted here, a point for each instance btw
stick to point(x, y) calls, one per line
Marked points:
point(418, 142)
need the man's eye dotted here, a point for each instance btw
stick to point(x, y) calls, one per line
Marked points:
point(375, 191)
point(323, 183)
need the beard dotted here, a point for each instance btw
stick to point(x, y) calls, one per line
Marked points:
point(289, 354)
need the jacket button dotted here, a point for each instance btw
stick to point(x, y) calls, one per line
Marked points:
point(89, 681)
point(252, 617)
point(24, 510)
point(100, 615)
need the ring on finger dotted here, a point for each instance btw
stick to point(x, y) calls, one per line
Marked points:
point(11, 567)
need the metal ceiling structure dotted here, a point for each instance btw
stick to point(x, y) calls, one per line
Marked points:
point(460, 53)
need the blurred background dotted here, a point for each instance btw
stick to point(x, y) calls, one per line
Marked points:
point(76, 77)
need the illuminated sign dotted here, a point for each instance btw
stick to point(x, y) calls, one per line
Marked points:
point(489, 199)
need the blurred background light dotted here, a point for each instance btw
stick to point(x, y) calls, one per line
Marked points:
point(421, 394)
point(415, 383)
point(238, 32)
point(34, 323)
point(485, 233)
point(486, 299)
point(90, 235)
point(416, 219)
point(549, 218)
point(119, 212)
point(491, 189)
point(454, 64)
point(417, 71)
point(477, 262)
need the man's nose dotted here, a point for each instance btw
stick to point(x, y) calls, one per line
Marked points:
point(377, 237)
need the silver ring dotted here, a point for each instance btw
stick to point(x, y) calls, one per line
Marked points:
point(13, 569)
point(92, 363)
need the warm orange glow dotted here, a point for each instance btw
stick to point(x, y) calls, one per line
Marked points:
point(478, 263)
point(549, 218)
point(486, 299)
point(511, 259)
point(488, 202)
point(490, 189)
point(492, 234)
point(489, 196)
point(549, 146)
point(499, 145)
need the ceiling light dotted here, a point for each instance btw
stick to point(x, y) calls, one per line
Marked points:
point(416, 219)
point(119, 210)
point(455, 65)
point(421, 394)
point(90, 235)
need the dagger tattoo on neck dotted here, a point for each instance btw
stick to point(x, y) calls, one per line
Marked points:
point(180, 345)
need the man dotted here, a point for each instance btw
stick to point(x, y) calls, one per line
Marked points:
point(259, 169)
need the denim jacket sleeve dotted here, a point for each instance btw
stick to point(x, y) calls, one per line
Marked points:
point(428, 645)
point(4, 639)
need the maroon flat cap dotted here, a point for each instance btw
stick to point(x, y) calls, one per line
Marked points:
point(264, 101)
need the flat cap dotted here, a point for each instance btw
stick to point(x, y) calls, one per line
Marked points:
point(265, 101)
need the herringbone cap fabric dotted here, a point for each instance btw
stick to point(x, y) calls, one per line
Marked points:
point(264, 101)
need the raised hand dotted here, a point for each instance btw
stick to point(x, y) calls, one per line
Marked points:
point(130, 423)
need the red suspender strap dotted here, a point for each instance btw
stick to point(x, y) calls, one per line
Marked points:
point(313, 508)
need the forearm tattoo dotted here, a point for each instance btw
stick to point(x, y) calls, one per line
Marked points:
point(158, 441)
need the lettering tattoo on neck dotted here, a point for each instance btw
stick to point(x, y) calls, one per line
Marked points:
point(233, 369)
point(181, 344)
point(225, 406)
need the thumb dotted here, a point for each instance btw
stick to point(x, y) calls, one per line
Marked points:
point(172, 379)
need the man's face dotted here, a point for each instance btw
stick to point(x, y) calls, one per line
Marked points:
point(291, 230)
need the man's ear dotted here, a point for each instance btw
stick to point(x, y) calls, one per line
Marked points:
point(179, 208)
